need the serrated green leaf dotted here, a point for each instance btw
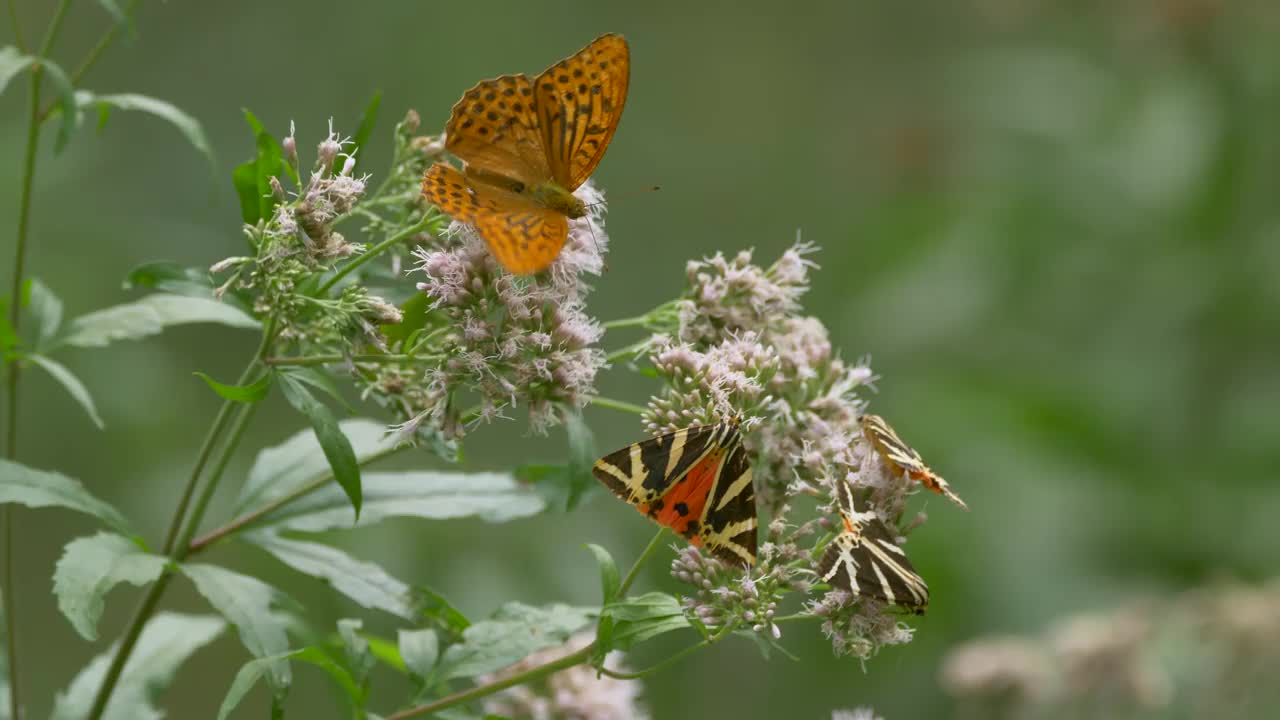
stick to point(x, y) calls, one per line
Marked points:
point(187, 125)
point(38, 488)
point(366, 584)
point(367, 122)
point(609, 579)
point(251, 393)
point(45, 310)
point(246, 603)
point(282, 469)
point(434, 607)
point(150, 316)
point(493, 497)
point(515, 631)
point(419, 650)
point(165, 643)
point(170, 277)
point(335, 445)
point(13, 62)
point(71, 384)
point(90, 567)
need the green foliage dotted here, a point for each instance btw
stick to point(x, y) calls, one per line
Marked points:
point(246, 603)
point(71, 384)
point(514, 632)
point(185, 124)
point(252, 179)
point(364, 129)
point(253, 392)
point(166, 642)
point(38, 488)
point(492, 497)
point(333, 443)
point(609, 580)
point(419, 651)
point(149, 316)
point(364, 583)
point(642, 618)
point(90, 567)
point(13, 62)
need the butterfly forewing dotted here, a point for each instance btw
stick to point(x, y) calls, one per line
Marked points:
point(580, 102)
point(494, 128)
point(865, 560)
point(696, 481)
point(903, 458)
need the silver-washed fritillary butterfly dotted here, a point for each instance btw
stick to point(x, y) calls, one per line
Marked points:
point(527, 144)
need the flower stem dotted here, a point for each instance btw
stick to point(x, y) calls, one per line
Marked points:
point(612, 404)
point(377, 250)
point(308, 360)
point(528, 676)
point(640, 561)
point(204, 541)
point(7, 598)
point(92, 58)
point(638, 321)
point(537, 673)
point(176, 544)
point(661, 664)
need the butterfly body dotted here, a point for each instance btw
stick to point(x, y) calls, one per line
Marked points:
point(902, 458)
point(527, 144)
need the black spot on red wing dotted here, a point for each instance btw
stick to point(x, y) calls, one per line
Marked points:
point(692, 527)
point(682, 509)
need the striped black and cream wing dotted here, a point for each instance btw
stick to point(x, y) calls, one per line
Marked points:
point(729, 522)
point(641, 472)
point(890, 446)
point(888, 571)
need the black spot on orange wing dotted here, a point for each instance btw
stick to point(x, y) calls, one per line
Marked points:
point(690, 494)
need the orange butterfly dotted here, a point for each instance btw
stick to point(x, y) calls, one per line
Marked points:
point(528, 144)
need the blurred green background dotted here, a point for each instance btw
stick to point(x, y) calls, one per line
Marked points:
point(1053, 226)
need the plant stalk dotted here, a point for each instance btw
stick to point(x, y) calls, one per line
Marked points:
point(612, 404)
point(376, 250)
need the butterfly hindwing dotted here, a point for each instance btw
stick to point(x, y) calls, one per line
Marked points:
point(524, 237)
point(580, 102)
point(695, 481)
point(495, 129)
point(903, 458)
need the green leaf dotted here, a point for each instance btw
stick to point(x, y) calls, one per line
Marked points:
point(248, 676)
point(319, 380)
point(515, 631)
point(365, 128)
point(13, 62)
point(415, 311)
point(253, 178)
point(493, 497)
point(280, 470)
point(386, 651)
point(366, 584)
point(46, 313)
point(150, 316)
point(165, 643)
point(123, 21)
point(641, 618)
point(336, 447)
point(246, 603)
point(187, 125)
point(356, 649)
point(582, 457)
point(38, 488)
point(71, 384)
point(433, 606)
point(251, 393)
point(419, 649)
point(170, 277)
point(609, 580)
point(90, 567)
